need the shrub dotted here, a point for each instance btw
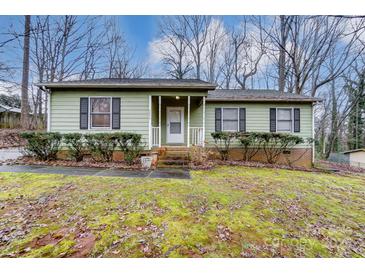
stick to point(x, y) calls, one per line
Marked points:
point(250, 144)
point(130, 144)
point(75, 144)
point(42, 145)
point(274, 144)
point(101, 146)
point(198, 155)
point(222, 141)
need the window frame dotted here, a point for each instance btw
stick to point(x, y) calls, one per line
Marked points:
point(238, 119)
point(110, 113)
point(291, 119)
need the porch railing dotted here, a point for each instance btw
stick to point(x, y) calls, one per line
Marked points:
point(155, 136)
point(197, 136)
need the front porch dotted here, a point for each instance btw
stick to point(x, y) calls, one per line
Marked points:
point(176, 121)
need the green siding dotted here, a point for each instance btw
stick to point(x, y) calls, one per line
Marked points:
point(65, 110)
point(257, 117)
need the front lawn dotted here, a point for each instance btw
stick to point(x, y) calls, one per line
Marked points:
point(225, 212)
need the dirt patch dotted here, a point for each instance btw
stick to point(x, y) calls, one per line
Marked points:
point(49, 239)
point(84, 246)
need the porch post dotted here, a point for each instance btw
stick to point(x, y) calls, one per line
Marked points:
point(159, 121)
point(203, 121)
point(188, 137)
point(149, 122)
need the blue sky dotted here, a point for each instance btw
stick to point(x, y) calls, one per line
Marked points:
point(139, 30)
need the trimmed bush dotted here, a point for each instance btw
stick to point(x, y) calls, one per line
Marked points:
point(75, 145)
point(101, 146)
point(247, 140)
point(130, 144)
point(222, 141)
point(274, 144)
point(42, 145)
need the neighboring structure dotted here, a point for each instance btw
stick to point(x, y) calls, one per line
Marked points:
point(356, 157)
point(9, 117)
point(168, 112)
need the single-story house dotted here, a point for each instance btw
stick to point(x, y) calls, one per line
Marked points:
point(356, 157)
point(9, 116)
point(170, 112)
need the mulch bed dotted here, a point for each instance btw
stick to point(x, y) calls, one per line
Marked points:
point(11, 138)
point(343, 170)
point(26, 160)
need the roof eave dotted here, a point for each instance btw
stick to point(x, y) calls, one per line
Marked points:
point(124, 86)
point(263, 100)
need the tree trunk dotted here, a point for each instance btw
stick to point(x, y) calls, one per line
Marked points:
point(333, 137)
point(281, 82)
point(25, 76)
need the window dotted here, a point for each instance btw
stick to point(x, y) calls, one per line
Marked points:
point(284, 119)
point(230, 119)
point(100, 112)
point(175, 121)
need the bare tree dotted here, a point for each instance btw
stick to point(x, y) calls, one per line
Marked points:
point(215, 41)
point(227, 67)
point(93, 50)
point(196, 32)
point(284, 32)
point(119, 56)
point(307, 44)
point(62, 47)
point(248, 50)
point(173, 48)
point(25, 75)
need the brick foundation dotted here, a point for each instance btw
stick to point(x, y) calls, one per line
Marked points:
point(303, 155)
point(235, 154)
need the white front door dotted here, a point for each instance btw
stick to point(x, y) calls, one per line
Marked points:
point(175, 125)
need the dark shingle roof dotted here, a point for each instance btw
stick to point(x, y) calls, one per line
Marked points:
point(354, 150)
point(4, 108)
point(132, 83)
point(257, 96)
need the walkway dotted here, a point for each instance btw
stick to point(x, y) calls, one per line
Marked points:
point(168, 173)
point(10, 153)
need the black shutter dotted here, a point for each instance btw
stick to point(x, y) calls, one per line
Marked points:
point(272, 119)
point(242, 120)
point(84, 113)
point(297, 120)
point(116, 113)
point(218, 119)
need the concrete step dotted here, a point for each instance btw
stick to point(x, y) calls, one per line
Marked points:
point(176, 154)
point(172, 163)
point(175, 148)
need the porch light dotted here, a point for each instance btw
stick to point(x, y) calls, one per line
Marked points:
point(177, 97)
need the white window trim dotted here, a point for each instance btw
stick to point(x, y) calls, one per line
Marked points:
point(238, 119)
point(110, 113)
point(292, 120)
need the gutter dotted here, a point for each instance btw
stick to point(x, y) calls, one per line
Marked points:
point(135, 86)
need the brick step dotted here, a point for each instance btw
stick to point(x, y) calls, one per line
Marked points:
point(175, 154)
point(176, 148)
point(172, 163)
point(171, 158)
